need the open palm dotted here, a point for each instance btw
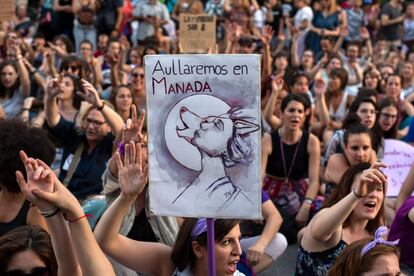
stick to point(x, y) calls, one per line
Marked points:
point(132, 176)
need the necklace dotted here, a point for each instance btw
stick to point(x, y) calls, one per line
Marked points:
point(287, 173)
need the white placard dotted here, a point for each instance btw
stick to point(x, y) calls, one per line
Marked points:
point(204, 135)
point(399, 157)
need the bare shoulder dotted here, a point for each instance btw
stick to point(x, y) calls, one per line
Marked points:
point(267, 143)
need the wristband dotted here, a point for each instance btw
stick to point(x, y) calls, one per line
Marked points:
point(308, 200)
point(357, 195)
point(101, 107)
point(19, 57)
point(81, 217)
point(48, 214)
point(25, 109)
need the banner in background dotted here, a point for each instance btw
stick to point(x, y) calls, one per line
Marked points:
point(399, 157)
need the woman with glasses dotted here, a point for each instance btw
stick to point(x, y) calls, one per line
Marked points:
point(387, 121)
point(87, 151)
point(405, 108)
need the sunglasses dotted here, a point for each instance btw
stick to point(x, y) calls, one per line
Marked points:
point(71, 67)
point(136, 75)
point(37, 271)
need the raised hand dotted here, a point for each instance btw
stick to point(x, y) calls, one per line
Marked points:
point(132, 130)
point(52, 87)
point(364, 33)
point(277, 83)
point(234, 32)
point(90, 94)
point(370, 180)
point(319, 87)
point(267, 34)
point(132, 175)
point(40, 177)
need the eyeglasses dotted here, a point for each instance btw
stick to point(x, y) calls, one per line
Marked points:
point(37, 271)
point(389, 116)
point(93, 122)
point(136, 75)
point(71, 67)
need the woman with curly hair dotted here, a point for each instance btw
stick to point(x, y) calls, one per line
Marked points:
point(15, 136)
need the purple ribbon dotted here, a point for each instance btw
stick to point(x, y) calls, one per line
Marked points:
point(199, 228)
point(121, 149)
point(381, 231)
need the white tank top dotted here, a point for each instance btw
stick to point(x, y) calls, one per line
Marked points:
point(342, 110)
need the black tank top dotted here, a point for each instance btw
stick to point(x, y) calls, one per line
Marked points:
point(275, 162)
point(19, 220)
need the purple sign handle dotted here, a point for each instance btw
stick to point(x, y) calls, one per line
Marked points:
point(211, 244)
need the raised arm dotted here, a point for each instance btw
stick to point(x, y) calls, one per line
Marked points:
point(51, 108)
point(268, 111)
point(325, 229)
point(23, 73)
point(266, 38)
point(151, 258)
point(294, 50)
point(90, 257)
point(91, 96)
point(322, 108)
point(41, 177)
point(406, 189)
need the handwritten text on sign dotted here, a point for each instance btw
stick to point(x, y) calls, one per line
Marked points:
point(399, 157)
point(197, 33)
point(163, 71)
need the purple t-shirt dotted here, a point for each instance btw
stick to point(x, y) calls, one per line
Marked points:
point(402, 228)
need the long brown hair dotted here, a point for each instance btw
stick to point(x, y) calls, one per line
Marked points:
point(182, 254)
point(344, 187)
point(351, 263)
point(27, 237)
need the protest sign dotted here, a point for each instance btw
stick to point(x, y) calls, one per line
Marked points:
point(197, 33)
point(8, 9)
point(204, 135)
point(399, 157)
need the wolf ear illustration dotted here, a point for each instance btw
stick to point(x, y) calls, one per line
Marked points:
point(244, 127)
point(243, 121)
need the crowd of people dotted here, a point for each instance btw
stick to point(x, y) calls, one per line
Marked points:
point(337, 79)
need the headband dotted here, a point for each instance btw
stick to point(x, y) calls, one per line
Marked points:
point(382, 230)
point(199, 228)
